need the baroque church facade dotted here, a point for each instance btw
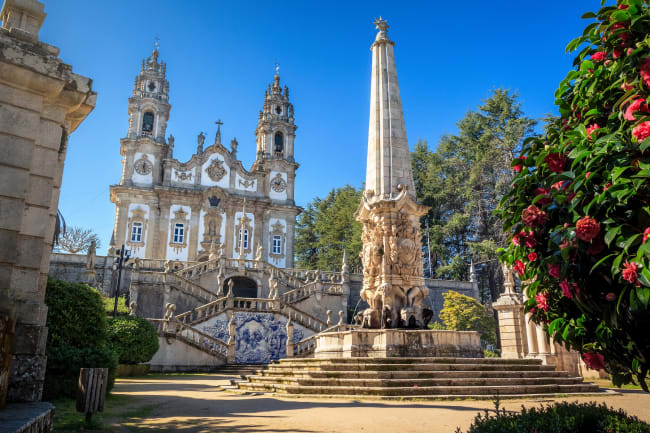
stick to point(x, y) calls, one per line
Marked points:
point(181, 211)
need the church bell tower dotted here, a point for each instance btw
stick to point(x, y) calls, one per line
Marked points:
point(276, 129)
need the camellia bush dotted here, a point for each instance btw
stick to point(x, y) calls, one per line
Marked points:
point(579, 207)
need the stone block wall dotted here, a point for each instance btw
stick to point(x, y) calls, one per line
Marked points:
point(41, 102)
point(72, 268)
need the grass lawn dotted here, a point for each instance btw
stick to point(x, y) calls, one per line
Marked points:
point(606, 383)
point(120, 412)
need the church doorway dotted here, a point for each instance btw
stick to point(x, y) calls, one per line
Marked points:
point(244, 287)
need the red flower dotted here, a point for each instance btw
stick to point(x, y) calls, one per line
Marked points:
point(587, 175)
point(597, 246)
point(636, 105)
point(542, 301)
point(529, 239)
point(642, 131)
point(598, 56)
point(566, 289)
point(623, 6)
point(542, 191)
point(645, 70)
point(630, 273)
point(617, 53)
point(646, 234)
point(555, 270)
point(591, 129)
point(519, 166)
point(555, 162)
point(533, 216)
point(587, 228)
point(607, 186)
point(515, 240)
point(532, 257)
point(627, 86)
point(594, 360)
point(519, 267)
point(610, 297)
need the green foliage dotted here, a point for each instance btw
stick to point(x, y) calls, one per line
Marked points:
point(133, 338)
point(464, 179)
point(487, 353)
point(560, 417)
point(581, 200)
point(109, 305)
point(437, 326)
point(77, 337)
point(463, 313)
point(326, 228)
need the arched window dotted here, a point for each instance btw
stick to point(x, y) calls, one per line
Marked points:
point(147, 122)
point(278, 143)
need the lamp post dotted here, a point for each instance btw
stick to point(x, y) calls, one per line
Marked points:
point(124, 256)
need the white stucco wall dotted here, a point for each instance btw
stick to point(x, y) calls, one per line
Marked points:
point(138, 250)
point(174, 253)
point(279, 262)
point(252, 187)
point(176, 179)
point(146, 179)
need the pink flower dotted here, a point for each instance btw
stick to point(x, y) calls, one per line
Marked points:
point(533, 216)
point(556, 162)
point(598, 56)
point(627, 86)
point(542, 301)
point(519, 166)
point(610, 297)
point(519, 267)
point(594, 360)
point(529, 239)
point(555, 270)
point(515, 240)
point(617, 53)
point(591, 129)
point(567, 289)
point(607, 186)
point(630, 273)
point(532, 257)
point(636, 105)
point(542, 191)
point(587, 175)
point(642, 131)
point(646, 234)
point(587, 228)
point(623, 6)
point(645, 70)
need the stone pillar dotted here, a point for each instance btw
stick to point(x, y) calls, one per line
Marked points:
point(290, 242)
point(151, 235)
point(194, 232)
point(229, 242)
point(531, 335)
point(41, 102)
point(510, 311)
point(290, 344)
point(162, 230)
point(542, 341)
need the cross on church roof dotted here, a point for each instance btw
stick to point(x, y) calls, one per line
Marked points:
point(219, 122)
point(156, 43)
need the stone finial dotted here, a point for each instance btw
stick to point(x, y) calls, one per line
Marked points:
point(23, 18)
point(472, 272)
point(341, 317)
point(200, 139)
point(345, 268)
point(381, 24)
point(329, 318)
point(233, 146)
point(231, 285)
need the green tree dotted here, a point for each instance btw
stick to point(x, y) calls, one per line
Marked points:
point(463, 313)
point(133, 338)
point(463, 181)
point(327, 228)
point(578, 212)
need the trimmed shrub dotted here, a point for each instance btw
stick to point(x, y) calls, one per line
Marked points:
point(77, 337)
point(133, 338)
point(560, 418)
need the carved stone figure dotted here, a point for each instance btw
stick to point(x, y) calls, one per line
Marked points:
point(91, 255)
point(132, 307)
point(216, 170)
point(259, 253)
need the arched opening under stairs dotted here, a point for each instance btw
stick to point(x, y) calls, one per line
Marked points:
point(244, 287)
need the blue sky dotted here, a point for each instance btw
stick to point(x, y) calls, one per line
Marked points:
point(221, 55)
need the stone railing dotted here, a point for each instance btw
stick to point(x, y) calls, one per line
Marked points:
point(204, 312)
point(198, 339)
point(304, 292)
point(302, 318)
point(189, 287)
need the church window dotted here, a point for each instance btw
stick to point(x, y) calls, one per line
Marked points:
point(245, 240)
point(277, 245)
point(179, 233)
point(136, 232)
point(147, 122)
point(278, 144)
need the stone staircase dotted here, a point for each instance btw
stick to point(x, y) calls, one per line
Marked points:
point(414, 378)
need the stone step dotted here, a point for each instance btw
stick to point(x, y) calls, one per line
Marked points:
point(423, 390)
point(412, 374)
point(423, 360)
point(409, 367)
point(406, 383)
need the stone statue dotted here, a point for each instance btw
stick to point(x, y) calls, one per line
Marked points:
point(233, 145)
point(232, 329)
point(259, 253)
point(168, 266)
point(231, 285)
point(273, 286)
point(220, 279)
point(213, 251)
point(90, 256)
point(508, 278)
point(200, 140)
point(132, 307)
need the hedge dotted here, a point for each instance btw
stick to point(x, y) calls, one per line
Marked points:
point(133, 338)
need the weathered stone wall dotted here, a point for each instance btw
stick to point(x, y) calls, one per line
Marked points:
point(72, 268)
point(174, 355)
point(41, 102)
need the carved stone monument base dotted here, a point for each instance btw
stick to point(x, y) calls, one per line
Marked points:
point(395, 343)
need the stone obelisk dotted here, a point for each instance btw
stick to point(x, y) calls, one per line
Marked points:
point(393, 281)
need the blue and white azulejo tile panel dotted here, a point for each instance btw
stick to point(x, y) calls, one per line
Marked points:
point(260, 338)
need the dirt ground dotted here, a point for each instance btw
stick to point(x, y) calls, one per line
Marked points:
point(194, 404)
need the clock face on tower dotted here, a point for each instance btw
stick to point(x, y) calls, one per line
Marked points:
point(143, 166)
point(278, 184)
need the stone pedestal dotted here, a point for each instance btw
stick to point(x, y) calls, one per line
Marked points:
point(389, 343)
point(512, 327)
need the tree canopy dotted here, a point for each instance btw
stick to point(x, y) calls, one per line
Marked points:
point(326, 228)
point(463, 313)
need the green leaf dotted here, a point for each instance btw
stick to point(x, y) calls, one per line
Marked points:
point(611, 234)
point(588, 15)
point(616, 266)
point(600, 262)
point(643, 293)
point(617, 172)
point(645, 144)
point(630, 241)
